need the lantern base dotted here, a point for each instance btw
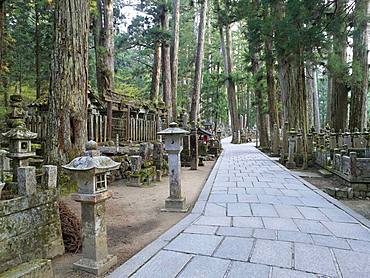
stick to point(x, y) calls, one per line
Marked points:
point(175, 205)
point(94, 267)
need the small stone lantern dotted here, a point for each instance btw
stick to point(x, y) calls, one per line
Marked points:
point(91, 172)
point(19, 147)
point(292, 141)
point(173, 145)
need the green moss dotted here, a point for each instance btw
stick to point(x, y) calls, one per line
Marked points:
point(67, 185)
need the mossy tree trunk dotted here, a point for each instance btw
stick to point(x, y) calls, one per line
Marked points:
point(67, 125)
point(156, 72)
point(104, 53)
point(3, 86)
point(360, 68)
point(166, 62)
point(338, 71)
point(195, 100)
point(174, 55)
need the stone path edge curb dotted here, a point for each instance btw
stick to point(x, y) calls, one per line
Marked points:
point(330, 199)
point(135, 262)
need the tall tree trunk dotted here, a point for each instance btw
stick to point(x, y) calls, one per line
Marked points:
point(310, 90)
point(3, 86)
point(273, 110)
point(316, 104)
point(174, 56)
point(67, 125)
point(104, 53)
point(329, 97)
point(104, 46)
point(156, 73)
point(338, 71)
point(226, 47)
point(360, 68)
point(37, 49)
point(194, 111)
point(166, 63)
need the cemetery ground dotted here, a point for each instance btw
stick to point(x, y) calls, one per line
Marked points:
point(134, 218)
point(312, 175)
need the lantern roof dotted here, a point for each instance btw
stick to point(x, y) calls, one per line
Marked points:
point(20, 132)
point(173, 130)
point(92, 160)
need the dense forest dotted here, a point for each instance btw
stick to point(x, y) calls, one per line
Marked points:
point(247, 64)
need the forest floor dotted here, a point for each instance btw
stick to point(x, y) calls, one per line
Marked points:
point(312, 175)
point(134, 217)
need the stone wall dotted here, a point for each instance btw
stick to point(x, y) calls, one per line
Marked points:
point(29, 229)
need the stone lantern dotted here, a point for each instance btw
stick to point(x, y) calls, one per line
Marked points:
point(19, 146)
point(173, 145)
point(91, 171)
point(292, 141)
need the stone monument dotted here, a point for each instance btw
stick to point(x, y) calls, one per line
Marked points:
point(91, 172)
point(173, 145)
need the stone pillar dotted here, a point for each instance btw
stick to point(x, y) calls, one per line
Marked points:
point(309, 143)
point(291, 149)
point(173, 144)
point(158, 156)
point(352, 164)
point(357, 140)
point(347, 139)
point(49, 177)
point(299, 143)
point(340, 139)
point(333, 140)
point(26, 180)
point(194, 149)
point(276, 141)
point(135, 165)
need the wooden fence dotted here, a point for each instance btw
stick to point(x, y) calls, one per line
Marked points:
point(134, 129)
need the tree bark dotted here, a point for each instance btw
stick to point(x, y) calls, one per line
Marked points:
point(166, 63)
point(67, 122)
point(338, 71)
point(194, 111)
point(2, 52)
point(316, 104)
point(226, 48)
point(104, 53)
point(37, 49)
point(174, 56)
point(310, 90)
point(104, 46)
point(269, 60)
point(156, 73)
point(360, 68)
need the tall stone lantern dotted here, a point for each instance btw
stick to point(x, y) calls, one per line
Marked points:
point(19, 146)
point(173, 145)
point(91, 171)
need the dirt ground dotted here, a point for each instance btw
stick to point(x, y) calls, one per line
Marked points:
point(134, 217)
point(362, 206)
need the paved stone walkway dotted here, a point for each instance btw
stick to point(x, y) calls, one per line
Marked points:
point(256, 219)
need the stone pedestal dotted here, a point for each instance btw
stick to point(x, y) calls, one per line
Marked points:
point(95, 258)
point(175, 202)
point(194, 157)
point(292, 140)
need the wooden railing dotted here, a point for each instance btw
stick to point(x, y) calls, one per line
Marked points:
point(134, 129)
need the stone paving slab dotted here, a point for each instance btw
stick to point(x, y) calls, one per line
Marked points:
point(254, 218)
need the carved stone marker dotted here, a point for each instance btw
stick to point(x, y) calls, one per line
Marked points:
point(26, 180)
point(173, 145)
point(292, 140)
point(91, 172)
